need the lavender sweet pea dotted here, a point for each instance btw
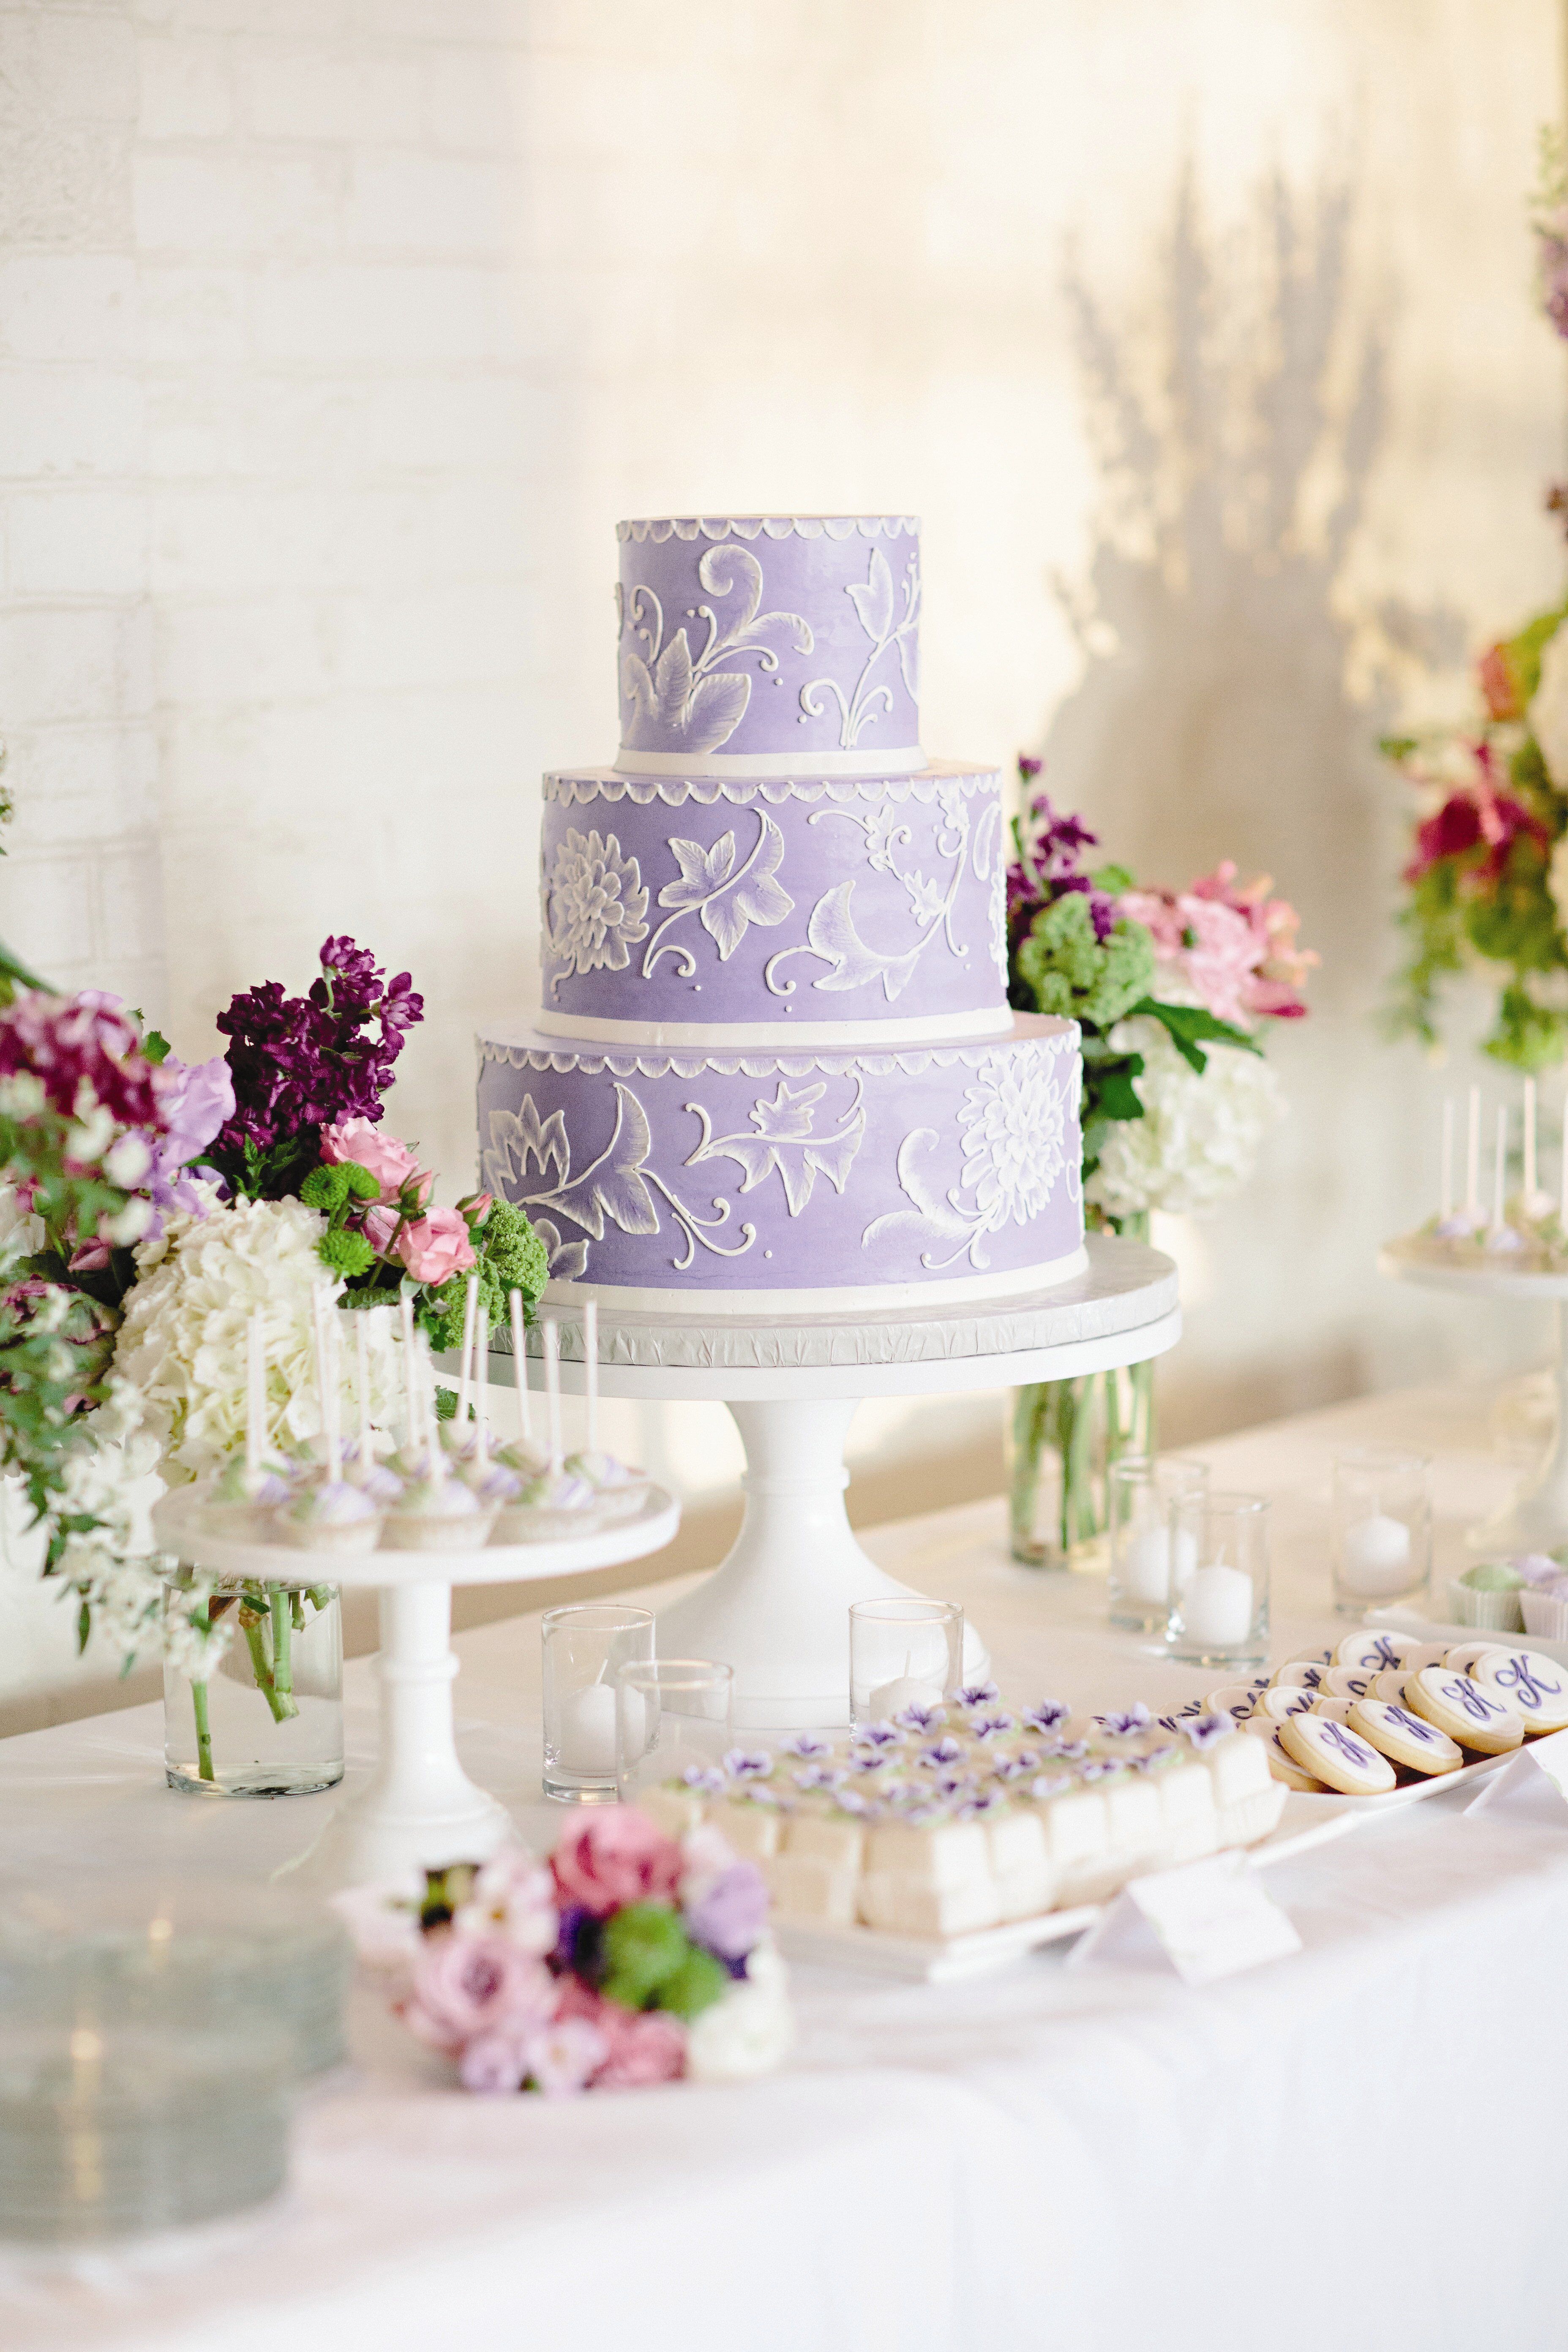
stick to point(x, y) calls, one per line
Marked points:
point(730, 1913)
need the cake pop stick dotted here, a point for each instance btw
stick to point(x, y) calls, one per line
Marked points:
point(466, 1373)
point(1529, 1147)
point(434, 1452)
point(362, 1388)
point(551, 1337)
point(327, 1391)
point(1473, 1158)
point(520, 1365)
point(410, 1380)
point(1448, 1194)
point(1500, 1169)
point(482, 1420)
point(591, 1369)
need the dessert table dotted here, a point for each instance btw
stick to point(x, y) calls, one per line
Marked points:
point(1367, 2130)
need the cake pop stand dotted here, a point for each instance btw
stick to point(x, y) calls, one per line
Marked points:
point(775, 1609)
point(1537, 1518)
point(421, 1808)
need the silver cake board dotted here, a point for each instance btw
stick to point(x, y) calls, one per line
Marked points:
point(775, 1609)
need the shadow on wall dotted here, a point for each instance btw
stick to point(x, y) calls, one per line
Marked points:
point(1236, 430)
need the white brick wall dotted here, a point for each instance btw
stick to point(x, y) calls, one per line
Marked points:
point(334, 335)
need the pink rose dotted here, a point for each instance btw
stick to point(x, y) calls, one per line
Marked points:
point(380, 1225)
point(476, 1206)
point(641, 2046)
point(391, 1163)
point(435, 1246)
point(464, 1986)
point(617, 1856)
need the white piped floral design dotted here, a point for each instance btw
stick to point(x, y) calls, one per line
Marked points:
point(683, 702)
point(1020, 1144)
point(595, 903)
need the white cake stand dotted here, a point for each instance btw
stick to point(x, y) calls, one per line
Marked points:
point(421, 1808)
point(775, 1609)
point(1537, 1518)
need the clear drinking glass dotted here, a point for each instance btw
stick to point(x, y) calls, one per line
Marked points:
point(268, 1719)
point(903, 1654)
point(585, 1645)
point(672, 1721)
point(1219, 1580)
point(1381, 1529)
point(1141, 1489)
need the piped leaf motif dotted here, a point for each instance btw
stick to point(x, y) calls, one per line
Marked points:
point(832, 935)
point(783, 1140)
point(727, 897)
point(683, 702)
point(873, 598)
point(611, 1187)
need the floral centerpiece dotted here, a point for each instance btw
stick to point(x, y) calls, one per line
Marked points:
point(630, 1957)
point(149, 1209)
point(1174, 992)
point(1486, 882)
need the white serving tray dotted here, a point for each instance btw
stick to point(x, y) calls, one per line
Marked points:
point(1405, 1620)
point(870, 1951)
point(1409, 1792)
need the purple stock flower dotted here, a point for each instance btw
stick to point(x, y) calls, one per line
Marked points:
point(197, 1099)
point(730, 1913)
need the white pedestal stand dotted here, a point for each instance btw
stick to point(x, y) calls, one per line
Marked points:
point(1537, 1518)
point(775, 1609)
point(421, 1808)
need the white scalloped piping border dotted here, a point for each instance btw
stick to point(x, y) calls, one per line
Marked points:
point(662, 527)
point(913, 1062)
point(578, 787)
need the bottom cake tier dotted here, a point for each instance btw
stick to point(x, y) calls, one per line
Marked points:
point(764, 1183)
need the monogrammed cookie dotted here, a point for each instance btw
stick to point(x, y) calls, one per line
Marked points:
point(1389, 1686)
point(1535, 1685)
point(1465, 1657)
point(1348, 1682)
point(1332, 1752)
point(1281, 1763)
point(1232, 1699)
point(1475, 1717)
point(1370, 1650)
point(1301, 1674)
point(1406, 1738)
point(1413, 1656)
point(1281, 1699)
point(1337, 1709)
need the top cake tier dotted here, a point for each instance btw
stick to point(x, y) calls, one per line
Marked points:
point(770, 645)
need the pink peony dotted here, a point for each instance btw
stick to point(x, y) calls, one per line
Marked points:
point(617, 1856)
point(1205, 947)
point(390, 1162)
point(642, 2046)
point(464, 1986)
point(435, 1246)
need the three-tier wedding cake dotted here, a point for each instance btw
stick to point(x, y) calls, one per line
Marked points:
point(775, 1069)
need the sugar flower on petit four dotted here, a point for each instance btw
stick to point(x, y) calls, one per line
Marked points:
point(1051, 1784)
point(748, 1764)
point(919, 1718)
point(945, 1750)
point(1047, 1715)
point(979, 1694)
point(1132, 1719)
point(879, 1735)
point(1202, 1730)
point(1070, 1751)
point(986, 1726)
point(806, 1743)
point(820, 1776)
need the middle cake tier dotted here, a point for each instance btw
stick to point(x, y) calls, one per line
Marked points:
point(760, 1182)
point(787, 912)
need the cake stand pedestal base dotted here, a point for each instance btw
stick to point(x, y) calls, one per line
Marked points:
point(776, 1610)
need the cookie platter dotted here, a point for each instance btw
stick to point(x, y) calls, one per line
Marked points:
point(1306, 1822)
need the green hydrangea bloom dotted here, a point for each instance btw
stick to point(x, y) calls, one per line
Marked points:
point(695, 1985)
point(513, 1254)
point(646, 1950)
point(1072, 973)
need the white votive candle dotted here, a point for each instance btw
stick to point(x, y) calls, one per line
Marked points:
point(1146, 1565)
point(1376, 1556)
point(1217, 1607)
point(588, 1732)
point(904, 1690)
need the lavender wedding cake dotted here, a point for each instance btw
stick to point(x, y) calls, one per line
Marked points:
point(775, 1069)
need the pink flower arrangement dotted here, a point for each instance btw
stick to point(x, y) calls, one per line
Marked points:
point(614, 1967)
point(356, 1142)
point(1232, 950)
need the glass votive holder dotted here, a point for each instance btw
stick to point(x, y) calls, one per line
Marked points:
point(1139, 1490)
point(585, 1646)
point(1219, 1580)
point(1380, 1540)
point(672, 1722)
point(902, 1653)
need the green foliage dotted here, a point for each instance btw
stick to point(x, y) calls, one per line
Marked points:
point(1187, 1025)
point(1070, 973)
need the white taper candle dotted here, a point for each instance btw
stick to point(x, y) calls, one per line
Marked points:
point(466, 1370)
point(1448, 1192)
point(1473, 1157)
point(1500, 1169)
point(591, 1369)
point(552, 1339)
point(1529, 1147)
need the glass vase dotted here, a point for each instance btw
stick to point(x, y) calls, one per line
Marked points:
point(268, 1719)
point(1065, 1436)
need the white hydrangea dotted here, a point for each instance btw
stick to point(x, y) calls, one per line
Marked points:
point(1549, 709)
point(1198, 1138)
point(748, 2032)
point(182, 1341)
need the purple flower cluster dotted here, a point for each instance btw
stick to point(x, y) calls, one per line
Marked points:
point(302, 1063)
point(1050, 848)
point(64, 1041)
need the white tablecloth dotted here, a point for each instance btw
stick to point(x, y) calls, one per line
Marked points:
point(1365, 2135)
